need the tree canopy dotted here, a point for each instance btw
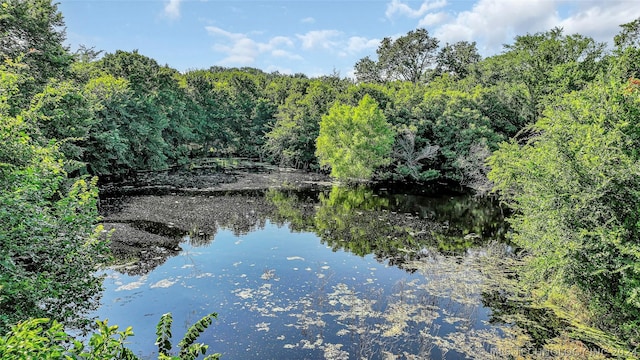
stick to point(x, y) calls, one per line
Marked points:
point(407, 58)
point(354, 141)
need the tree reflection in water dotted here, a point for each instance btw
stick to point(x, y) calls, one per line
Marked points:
point(454, 244)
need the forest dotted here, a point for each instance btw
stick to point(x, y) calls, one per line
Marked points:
point(550, 127)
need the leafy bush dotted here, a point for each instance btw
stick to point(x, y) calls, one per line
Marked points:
point(575, 189)
point(49, 246)
point(46, 339)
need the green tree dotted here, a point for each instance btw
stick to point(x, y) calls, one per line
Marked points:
point(574, 188)
point(159, 113)
point(108, 149)
point(292, 140)
point(368, 71)
point(547, 65)
point(61, 113)
point(408, 58)
point(32, 31)
point(456, 59)
point(354, 141)
point(454, 121)
point(627, 50)
point(48, 255)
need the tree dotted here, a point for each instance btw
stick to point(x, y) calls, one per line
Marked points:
point(292, 140)
point(574, 188)
point(627, 50)
point(629, 36)
point(454, 120)
point(160, 116)
point(354, 141)
point(409, 157)
point(108, 150)
point(368, 71)
point(32, 31)
point(407, 58)
point(456, 59)
point(61, 113)
point(550, 64)
point(48, 255)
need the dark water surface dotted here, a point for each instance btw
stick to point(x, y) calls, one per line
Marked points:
point(336, 274)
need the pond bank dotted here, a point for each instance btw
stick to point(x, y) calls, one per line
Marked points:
point(209, 181)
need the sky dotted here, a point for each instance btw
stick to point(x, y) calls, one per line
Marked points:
point(319, 37)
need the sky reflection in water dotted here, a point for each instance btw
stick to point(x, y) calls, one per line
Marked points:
point(285, 294)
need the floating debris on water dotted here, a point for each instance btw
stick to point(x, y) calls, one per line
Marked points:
point(133, 285)
point(268, 274)
point(164, 283)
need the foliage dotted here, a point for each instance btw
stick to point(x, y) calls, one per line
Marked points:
point(32, 31)
point(455, 121)
point(627, 50)
point(457, 59)
point(189, 349)
point(108, 149)
point(475, 170)
point(410, 157)
point(550, 64)
point(292, 140)
point(61, 113)
point(29, 340)
point(418, 112)
point(45, 339)
point(354, 141)
point(107, 343)
point(574, 187)
point(47, 251)
point(406, 58)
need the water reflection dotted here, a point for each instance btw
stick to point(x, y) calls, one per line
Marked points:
point(279, 267)
point(395, 228)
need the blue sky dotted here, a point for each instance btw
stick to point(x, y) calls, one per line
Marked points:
point(316, 37)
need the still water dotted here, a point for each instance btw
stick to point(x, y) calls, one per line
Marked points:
point(333, 274)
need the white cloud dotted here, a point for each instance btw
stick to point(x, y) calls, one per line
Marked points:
point(213, 30)
point(356, 44)
point(285, 54)
point(244, 49)
point(308, 20)
point(397, 7)
point(335, 42)
point(433, 19)
point(172, 9)
point(319, 39)
point(241, 50)
point(599, 21)
point(493, 23)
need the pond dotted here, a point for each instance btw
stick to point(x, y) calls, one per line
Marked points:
point(339, 273)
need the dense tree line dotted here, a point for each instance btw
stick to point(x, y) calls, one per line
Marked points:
point(559, 113)
point(123, 112)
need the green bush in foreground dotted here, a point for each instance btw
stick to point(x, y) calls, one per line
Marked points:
point(46, 339)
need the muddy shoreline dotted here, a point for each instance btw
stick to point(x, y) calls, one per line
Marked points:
point(215, 182)
point(141, 239)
